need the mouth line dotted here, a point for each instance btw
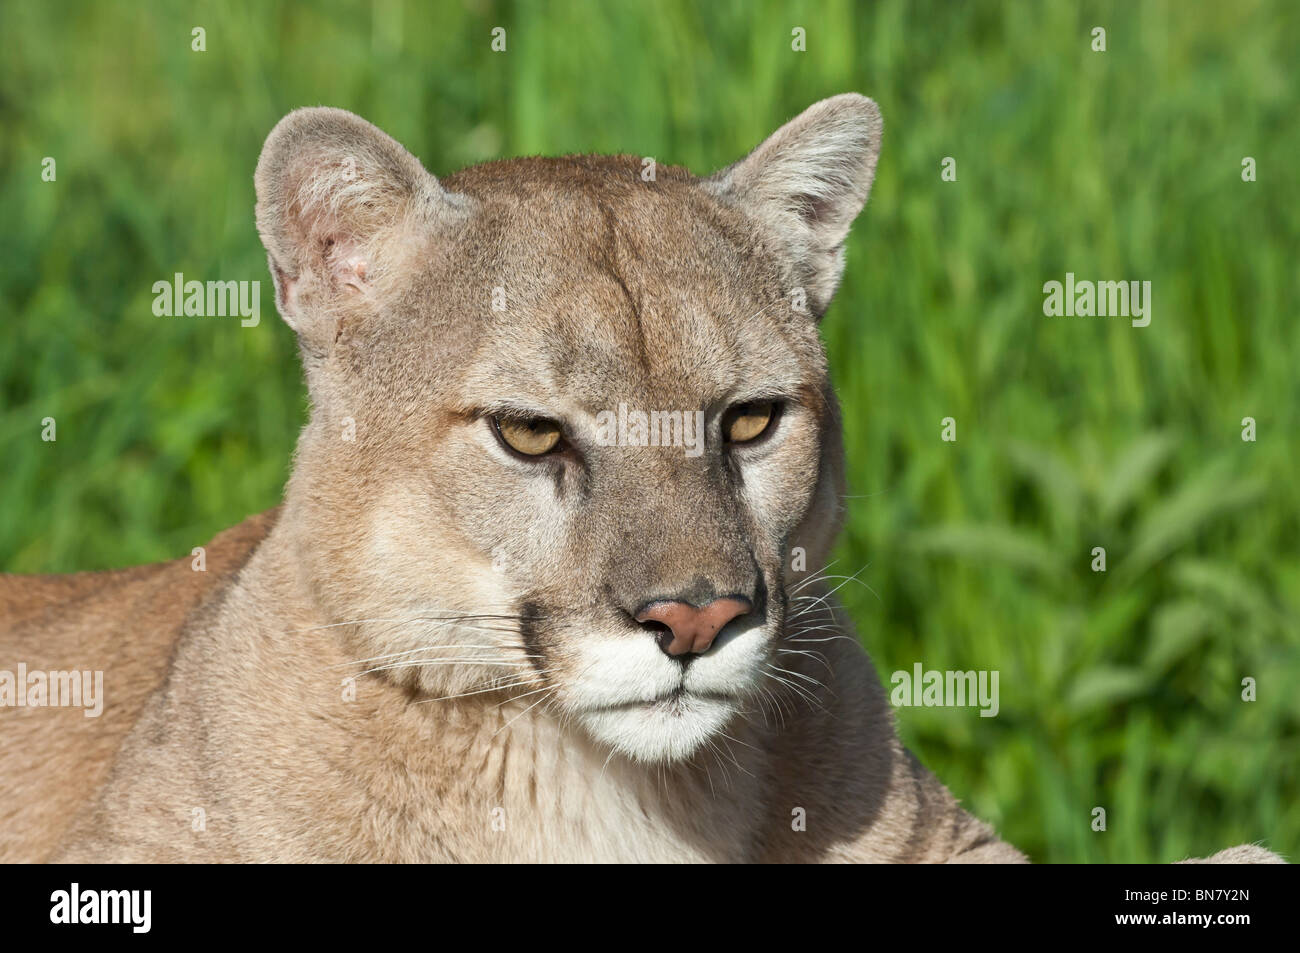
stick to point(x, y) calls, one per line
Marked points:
point(674, 698)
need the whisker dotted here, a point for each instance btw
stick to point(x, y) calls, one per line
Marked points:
point(419, 618)
point(806, 678)
point(812, 628)
point(431, 663)
point(816, 656)
point(513, 698)
point(796, 688)
point(425, 648)
point(817, 575)
point(518, 716)
point(480, 691)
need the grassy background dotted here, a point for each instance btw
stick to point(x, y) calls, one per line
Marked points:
point(1119, 690)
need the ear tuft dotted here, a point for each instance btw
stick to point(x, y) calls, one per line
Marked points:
point(807, 182)
point(337, 203)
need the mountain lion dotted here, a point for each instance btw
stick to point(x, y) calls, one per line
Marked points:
point(545, 583)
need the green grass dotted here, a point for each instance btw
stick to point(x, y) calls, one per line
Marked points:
point(1118, 690)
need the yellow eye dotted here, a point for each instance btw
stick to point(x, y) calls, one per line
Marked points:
point(746, 422)
point(532, 438)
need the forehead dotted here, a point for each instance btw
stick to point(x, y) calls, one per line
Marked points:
point(606, 287)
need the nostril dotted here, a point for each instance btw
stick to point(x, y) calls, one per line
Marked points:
point(680, 628)
point(672, 624)
point(663, 634)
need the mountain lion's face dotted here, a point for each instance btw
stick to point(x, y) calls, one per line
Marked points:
point(572, 434)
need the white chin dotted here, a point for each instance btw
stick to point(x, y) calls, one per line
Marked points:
point(668, 730)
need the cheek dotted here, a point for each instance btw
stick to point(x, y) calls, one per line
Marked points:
point(778, 487)
point(416, 567)
point(411, 547)
point(515, 523)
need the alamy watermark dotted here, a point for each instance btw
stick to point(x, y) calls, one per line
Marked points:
point(1085, 299)
point(943, 689)
point(132, 908)
point(656, 428)
point(208, 299)
point(41, 689)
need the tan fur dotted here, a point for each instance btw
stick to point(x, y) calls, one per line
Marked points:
point(418, 538)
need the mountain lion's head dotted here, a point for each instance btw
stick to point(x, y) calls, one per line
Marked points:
point(572, 437)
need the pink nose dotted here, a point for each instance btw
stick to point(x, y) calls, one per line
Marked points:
point(691, 629)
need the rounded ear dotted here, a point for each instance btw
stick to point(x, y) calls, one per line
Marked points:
point(338, 203)
point(808, 181)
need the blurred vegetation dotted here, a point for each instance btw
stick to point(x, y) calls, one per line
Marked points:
point(1119, 689)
